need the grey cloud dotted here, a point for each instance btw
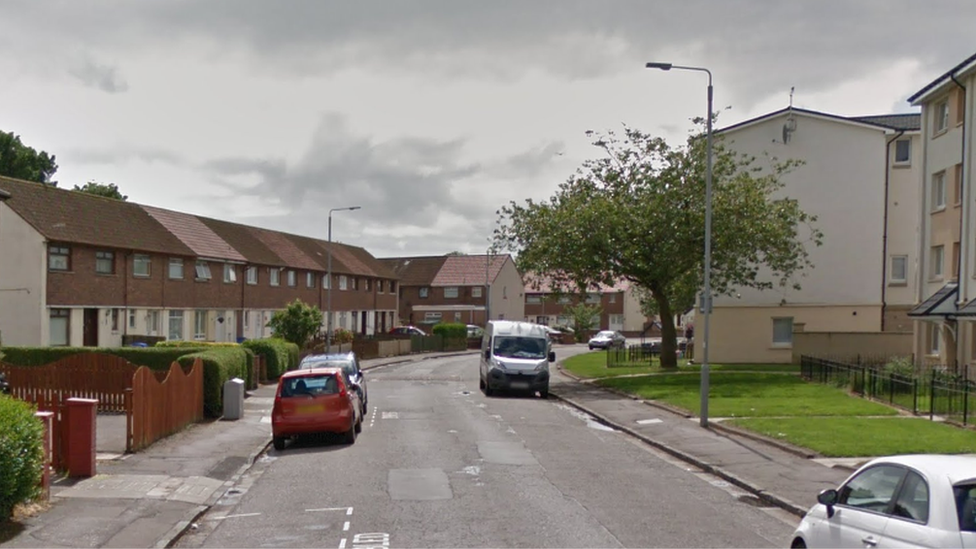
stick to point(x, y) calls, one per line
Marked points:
point(99, 76)
point(122, 155)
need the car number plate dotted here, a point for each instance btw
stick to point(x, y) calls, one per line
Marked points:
point(311, 409)
point(520, 385)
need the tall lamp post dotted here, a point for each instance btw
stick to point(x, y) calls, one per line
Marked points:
point(707, 293)
point(328, 277)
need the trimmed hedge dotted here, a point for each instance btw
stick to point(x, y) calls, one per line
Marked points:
point(211, 344)
point(451, 330)
point(219, 365)
point(280, 354)
point(21, 454)
point(155, 358)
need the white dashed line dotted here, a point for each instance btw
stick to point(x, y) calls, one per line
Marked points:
point(342, 544)
point(345, 527)
point(648, 421)
point(236, 516)
point(349, 511)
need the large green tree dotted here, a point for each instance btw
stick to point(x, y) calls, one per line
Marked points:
point(101, 189)
point(637, 213)
point(23, 162)
point(297, 323)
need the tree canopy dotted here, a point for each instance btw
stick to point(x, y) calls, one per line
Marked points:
point(297, 323)
point(637, 213)
point(100, 189)
point(22, 162)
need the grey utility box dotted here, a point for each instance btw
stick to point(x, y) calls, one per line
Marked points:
point(234, 398)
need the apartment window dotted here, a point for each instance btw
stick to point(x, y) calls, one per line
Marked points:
point(592, 298)
point(275, 276)
point(141, 265)
point(355, 320)
point(938, 191)
point(424, 292)
point(938, 257)
point(230, 273)
point(355, 283)
point(115, 321)
point(613, 298)
point(292, 279)
point(955, 261)
point(175, 325)
point(379, 286)
point(252, 275)
point(58, 258)
point(104, 262)
point(175, 268)
point(457, 316)
point(450, 292)
point(59, 323)
point(903, 151)
point(957, 185)
point(132, 318)
point(326, 282)
point(309, 279)
point(942, 116)
point(202, 270)
point(154, 322)
point(392, 287)
point(899, 269)
point(783, 331)
point(476, 291)
point(531, 299)
point(934, 338)
point(343, 282)
point(563, 300)
point(200, 325)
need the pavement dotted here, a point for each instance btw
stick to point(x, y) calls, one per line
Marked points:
point(148, 499)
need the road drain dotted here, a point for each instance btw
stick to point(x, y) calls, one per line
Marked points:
point(753, 500)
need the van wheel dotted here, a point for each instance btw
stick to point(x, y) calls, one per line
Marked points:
point(279, 443)
point(481, 384)
point(488, 390)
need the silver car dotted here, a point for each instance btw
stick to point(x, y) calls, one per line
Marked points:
point(607, 339)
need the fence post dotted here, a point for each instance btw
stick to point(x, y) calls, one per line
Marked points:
point(932, 396)
point(965, 395)
point(914, 395)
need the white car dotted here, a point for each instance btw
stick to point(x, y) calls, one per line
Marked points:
point(898, 501)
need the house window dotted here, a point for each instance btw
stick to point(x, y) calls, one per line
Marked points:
point(141, 265)
point(275, 276)
point(424, 292)
point(957, 185)
point(934, 339)
point(230, 273)
point(175, 268)
point(355, 320)
point(175, 325)
point(457, 316)
point(432, 318)
point(903, 151)
point(366, 282)
point(343, 282)
point(563, 300)
point(355, 283)
point(326, 283)
point(247, 319)
point(342, 319)
point(202, 270)
point(942, 116)
point(450, 292)
point(476, 291)
point(783, 331)
point(132, 318)
point(379, 287)
point(938, 258)
point(292, 279)
point(115, 321)
point(154, 322)
point(592, 298)
point(200, 325)
point(252, 275)
point(309, 279)
point(899, 269)
point(104, 262)
point(392, 287)
point(60, 320)
point(58, 258)
point(530, 299)
point(938, 191)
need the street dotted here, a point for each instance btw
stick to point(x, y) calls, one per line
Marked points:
point(440, 465)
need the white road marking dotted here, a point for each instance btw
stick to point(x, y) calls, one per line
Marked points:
point(649, 421)
point(236, 516)
point(342, 544)
point(373, 540)
point(345, 526)
point(348, 510)
point(391, 415)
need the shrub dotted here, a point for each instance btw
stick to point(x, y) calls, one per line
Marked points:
point(342, 336)
point(219, 365)
point(21, 454)
point(451, 330)
point(297, 323)
point(900, 366)
point(281, 355)
point(155, 358)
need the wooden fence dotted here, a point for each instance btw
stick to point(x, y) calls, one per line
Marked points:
point(159, 409)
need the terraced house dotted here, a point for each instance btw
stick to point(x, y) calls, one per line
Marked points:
point(77, 269)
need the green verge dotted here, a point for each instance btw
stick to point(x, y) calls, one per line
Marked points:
point(594, 365)
point(857, 437)
point(749, 395)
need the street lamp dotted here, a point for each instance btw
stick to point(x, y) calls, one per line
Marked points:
point(707, 297)
point(328, 277)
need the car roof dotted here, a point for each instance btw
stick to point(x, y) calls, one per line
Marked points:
point(310, 371)
point(957, 468)
point(333, 356)
point(517, 328)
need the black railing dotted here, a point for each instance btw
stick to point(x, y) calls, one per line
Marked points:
point(634, 355)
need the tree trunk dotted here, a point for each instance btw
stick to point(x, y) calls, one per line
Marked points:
point(669, 341)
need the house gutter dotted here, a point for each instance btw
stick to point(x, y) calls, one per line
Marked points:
point(884, 232)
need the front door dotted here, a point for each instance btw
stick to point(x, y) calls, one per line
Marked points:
point(362, 322)
point(90, 328)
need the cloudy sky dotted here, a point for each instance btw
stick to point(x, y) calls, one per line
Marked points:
point(428, 114)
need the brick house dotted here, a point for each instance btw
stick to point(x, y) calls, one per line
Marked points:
point(86, 270)
point(458, 288)
point(620, 310)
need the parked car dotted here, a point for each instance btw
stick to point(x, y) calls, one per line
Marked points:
point(349, 363)
point(408, 330)
point(315, 400)
point(607, 339)
point(475, 331)
point(899, 501)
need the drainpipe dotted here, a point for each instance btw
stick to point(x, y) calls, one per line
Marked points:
point(964, 204)
point(125, 294)
point(884, 233)
point(241, 321)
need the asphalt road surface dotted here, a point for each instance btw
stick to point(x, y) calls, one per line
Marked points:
point(438, 464)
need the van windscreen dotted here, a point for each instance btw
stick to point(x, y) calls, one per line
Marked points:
point(519, 347)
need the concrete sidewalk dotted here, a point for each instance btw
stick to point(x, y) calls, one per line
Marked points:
point(147, 499)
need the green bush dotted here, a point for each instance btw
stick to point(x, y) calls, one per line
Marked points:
point(21, 454)
point(155, 358)
point(902, 366)
point(281, 356)
point(451, 330)
point(219, 365)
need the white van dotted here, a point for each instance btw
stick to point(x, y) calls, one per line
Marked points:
point(516, 356)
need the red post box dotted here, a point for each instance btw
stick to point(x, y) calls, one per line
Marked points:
point(46, 418)
point(79, 436)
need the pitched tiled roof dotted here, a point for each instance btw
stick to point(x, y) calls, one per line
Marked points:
point(906, 122)
point(414, 271)
point(80, 218)
point(194, 233)
point(376, 267)
point(283, 247)
point(469, 270)
point(244, 241)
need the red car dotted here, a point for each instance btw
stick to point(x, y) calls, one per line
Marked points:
point(316, 400)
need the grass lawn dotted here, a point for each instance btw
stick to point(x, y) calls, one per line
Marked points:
point(854, 437)
point(594, 365)
point(749, 395)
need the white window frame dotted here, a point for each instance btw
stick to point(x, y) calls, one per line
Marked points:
point(476, 291)
point(938, 191)
point(199, 325)
point(424, 292)
point(432, 316)
point(141, 260)
point(934, 346)
point(530, 299)
point(309, 279)
point(132, 318)
point(612, 298)
point(788, 342)
point(942, 116)
point(201, 270)
point(366, 282)
point(57, 318)
point(230, 273)
point(252, 275)
point(275, 276)
point(343, 282)
point(450, 292)
point(153, 322)
point(895, 260)
point(326, 282)
point(101, 257)
point(177, 263)
point(116, 320)
point(292, 278)
point(59, 258)
point(938, 262)
point(907, 161)
point(379, 287)
point(178, 335)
